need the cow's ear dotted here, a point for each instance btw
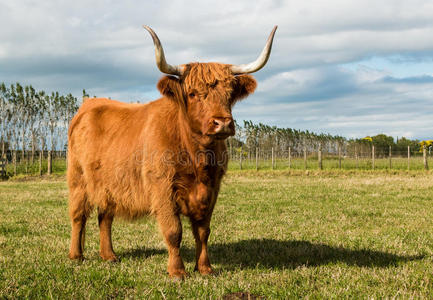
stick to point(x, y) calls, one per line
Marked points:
point(244, 85)
point(170, 87)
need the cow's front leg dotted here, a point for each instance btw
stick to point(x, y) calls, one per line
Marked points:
point(201, 233)
point(171, 229)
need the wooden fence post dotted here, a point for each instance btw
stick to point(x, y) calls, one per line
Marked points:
point(240, 159)
point(372, 157)
point(390, 157)
point(290, 158)
point(3, 154)
point(26, 162)
point(273, 159)
point(41, 154)
point(356, 158)
point(424, 155)
point(319, 156)
point(257, 158)
point(50, 162)
point(5, 158)
point(2, 168)
point(305, 157)
point(339, 155)
point(408, 158)
point(14, 159)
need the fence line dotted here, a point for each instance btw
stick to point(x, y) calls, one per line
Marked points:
point(320, 159)
point(14, 163)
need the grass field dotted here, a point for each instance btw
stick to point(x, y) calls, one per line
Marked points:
point(330, 234)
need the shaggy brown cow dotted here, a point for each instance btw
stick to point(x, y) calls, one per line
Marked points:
point(163, 158)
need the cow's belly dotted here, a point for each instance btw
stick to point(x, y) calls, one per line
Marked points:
point(125, 196)
point(132, 205)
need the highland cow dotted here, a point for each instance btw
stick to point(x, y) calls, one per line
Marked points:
point(164, 158)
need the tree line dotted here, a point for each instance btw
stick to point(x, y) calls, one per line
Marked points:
point(33, 122)
point(257, 137)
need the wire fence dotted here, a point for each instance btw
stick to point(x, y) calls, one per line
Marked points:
point(16, 163)
point(321, 160)
point(46, 162)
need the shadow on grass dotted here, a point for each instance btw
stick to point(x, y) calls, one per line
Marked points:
point(277, 254)
point(141, 253)
point(291, 254)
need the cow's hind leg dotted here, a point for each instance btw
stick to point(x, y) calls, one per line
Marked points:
point(171, 229)
point(105, 220)
point(201, 233)
point(78, 212)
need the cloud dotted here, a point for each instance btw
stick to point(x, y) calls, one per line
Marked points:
point(346, 67)
point(318, 84)
point(344, 102)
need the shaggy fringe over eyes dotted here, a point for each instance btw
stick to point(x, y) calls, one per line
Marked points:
point(201, 76)
point(206, 74)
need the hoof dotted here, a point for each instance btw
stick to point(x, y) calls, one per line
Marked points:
point(205, 270)
point(76, 257)
point(110, 258)
point(178, 275)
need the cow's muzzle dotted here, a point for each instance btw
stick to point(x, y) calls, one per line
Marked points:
point(221, 127)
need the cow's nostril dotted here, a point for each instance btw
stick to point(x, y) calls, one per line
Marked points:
point(222, 125)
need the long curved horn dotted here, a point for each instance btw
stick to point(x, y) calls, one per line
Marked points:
point(260, 62)
point(162, 64)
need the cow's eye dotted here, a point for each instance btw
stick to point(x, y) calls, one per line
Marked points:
point(191, 95)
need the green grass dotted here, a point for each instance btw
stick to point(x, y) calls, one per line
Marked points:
point(280, 234)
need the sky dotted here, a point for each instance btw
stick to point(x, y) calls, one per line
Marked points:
point(349, 68)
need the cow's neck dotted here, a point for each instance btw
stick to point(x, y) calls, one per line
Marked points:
point(199, 148)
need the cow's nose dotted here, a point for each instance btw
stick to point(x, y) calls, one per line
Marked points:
point(223, 125)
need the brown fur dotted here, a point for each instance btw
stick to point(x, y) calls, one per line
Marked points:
point(160, 158)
